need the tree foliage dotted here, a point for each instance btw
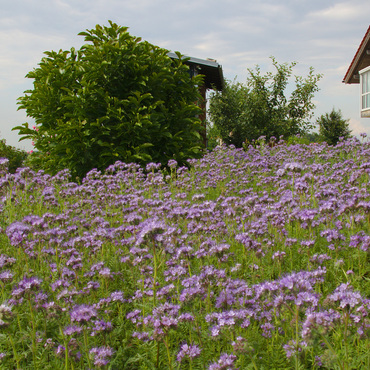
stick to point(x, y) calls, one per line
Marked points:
point(15, 156)
point(260, 107)
point(332, 126)
point(116, 98)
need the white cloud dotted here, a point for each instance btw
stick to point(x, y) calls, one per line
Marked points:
point(345, 11)
point(210, 42)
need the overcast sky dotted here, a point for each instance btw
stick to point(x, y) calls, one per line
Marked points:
point(239, 34)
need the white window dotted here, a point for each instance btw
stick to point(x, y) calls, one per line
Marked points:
point(365, 90)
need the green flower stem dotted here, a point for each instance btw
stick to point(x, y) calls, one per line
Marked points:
point(253, 362)
point(14, 352)
point(157, 361)
point(86, 348)
point(296, 336)
point(154, 274)
point(168, 352)
point(33, 335)
point(66, 354)
point(331, 349)
point(345, 335)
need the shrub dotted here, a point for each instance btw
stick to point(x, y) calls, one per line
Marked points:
point(333, 127)
point(116, 98)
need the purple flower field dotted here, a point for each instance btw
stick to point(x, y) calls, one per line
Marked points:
point(250, 259)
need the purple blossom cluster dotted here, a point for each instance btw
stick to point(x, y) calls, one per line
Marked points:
point(188, 352)
point(266, 242)
point(101, 355)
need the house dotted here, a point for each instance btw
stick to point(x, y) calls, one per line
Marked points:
point(213, 79)
point(359, 73)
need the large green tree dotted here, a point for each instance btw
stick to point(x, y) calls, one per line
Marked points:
point(332, 126)
point(261, 108)
point(116, 98)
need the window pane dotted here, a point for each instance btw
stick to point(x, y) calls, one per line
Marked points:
point(366, 101)
point(365, 90)
point(364, 82)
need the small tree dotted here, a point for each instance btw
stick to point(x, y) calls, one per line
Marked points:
point(260, 108)
point(333, 126)
point(116, 98)
point(228, 113)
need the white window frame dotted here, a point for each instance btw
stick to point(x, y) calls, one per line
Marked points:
point(365, 91)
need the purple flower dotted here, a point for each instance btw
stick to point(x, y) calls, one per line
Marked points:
point(101, 326)
point(225, 362)
point(26, 285)
point(165, 290)
point(307, 243)
point(5, 313)
point(5, 310)
point(6, 276)
point(267, 329)
point(225, 298)
point(172, 163)
point(117, 296)
point(144, 336)
point(174, 272)
point(306, 297)
point(72, 329)
point(4, 161)
point(187, 351)
point(82, 313)
point(17, 232)
point(152, 166)
point(106, 272)
point(149, 228)
point(186, 317)
point(319, 258)
point(101, 355)
point(293, 166)
point(279, 255)
point(97, 267)
point(332, 234)
point(59, 351)
point(5, 260)
point(292, 348)
point(134, 316)
point(318, 361)
point(346, 297)
point(280, 172)
point(319, 321)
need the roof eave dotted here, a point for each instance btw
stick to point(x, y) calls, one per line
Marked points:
point(358, 59)
point(208, 68)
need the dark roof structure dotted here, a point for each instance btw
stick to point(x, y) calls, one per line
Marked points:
point(212, 71)
point(360, 61)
